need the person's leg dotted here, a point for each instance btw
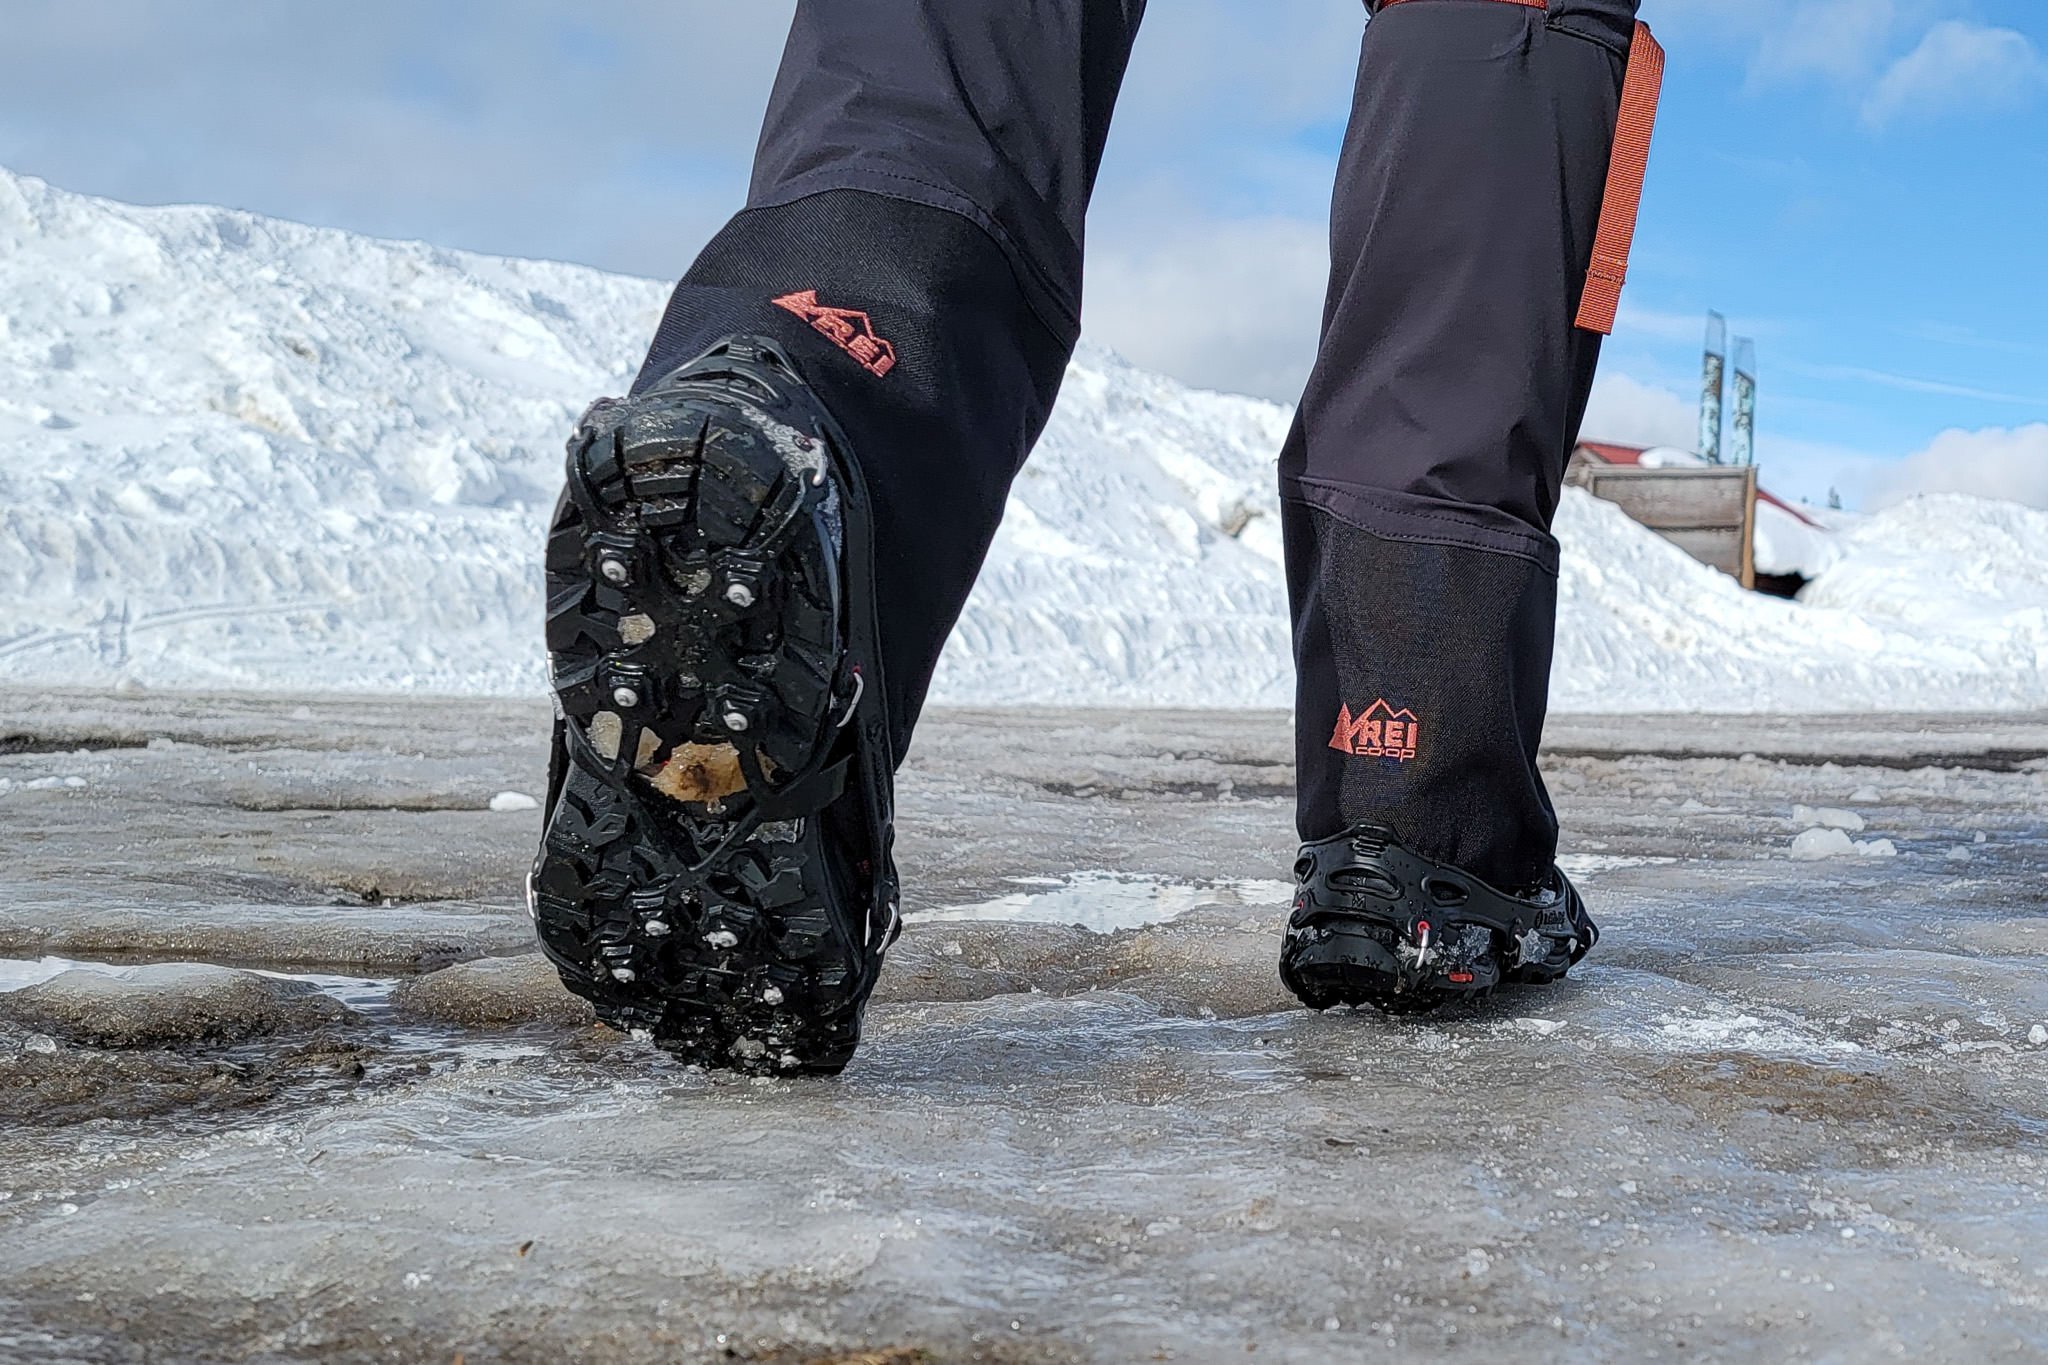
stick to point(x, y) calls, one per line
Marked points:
point(1424, 468)
point(763, 548)
point(927, 163)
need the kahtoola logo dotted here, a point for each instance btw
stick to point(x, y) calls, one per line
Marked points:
point(849, 330)
point(1379, 731)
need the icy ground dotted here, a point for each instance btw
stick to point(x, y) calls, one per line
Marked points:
point(239, 452)
point(1792, 1110)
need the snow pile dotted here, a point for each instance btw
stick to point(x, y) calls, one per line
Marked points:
point(242, 453)
point(288, 457)
point(1950, 566)
point(1643, 626)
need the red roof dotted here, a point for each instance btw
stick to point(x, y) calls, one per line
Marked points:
point(1607, 452)
point(1782, 505)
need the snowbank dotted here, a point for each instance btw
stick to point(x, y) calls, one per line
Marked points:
point(242, 453)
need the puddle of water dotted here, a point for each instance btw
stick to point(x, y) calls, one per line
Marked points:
point(1586, 866)
point(1104, 902)
point(365, 994)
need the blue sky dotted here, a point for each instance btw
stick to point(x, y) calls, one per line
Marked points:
point(1859, 184)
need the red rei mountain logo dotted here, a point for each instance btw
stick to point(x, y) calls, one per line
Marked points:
point(851, 331)
point(1379, 731)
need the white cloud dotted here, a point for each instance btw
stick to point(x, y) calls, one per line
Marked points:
point(1630, 412)
point(1996, 462)
point(1231, 305)
point(1958, 66)
point(1840, 40)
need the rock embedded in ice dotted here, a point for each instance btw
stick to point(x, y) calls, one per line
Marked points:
point(1828, 817)
point(490, 992)
point(506, 803)
point(1876, 848)
point(2038, 1035)
point(167, 1003)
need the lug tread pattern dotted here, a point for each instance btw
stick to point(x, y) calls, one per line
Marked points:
point(728, 940)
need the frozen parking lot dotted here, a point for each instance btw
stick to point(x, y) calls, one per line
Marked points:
point(1793, 1108)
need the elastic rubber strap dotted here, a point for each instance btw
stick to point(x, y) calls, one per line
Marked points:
point(1623, 202)
point(806, 796)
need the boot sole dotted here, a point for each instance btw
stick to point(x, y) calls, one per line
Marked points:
point(697, 635)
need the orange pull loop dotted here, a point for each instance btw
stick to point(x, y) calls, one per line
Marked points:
point(1623, 203)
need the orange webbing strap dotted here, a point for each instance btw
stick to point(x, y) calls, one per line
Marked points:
point(1624, 199)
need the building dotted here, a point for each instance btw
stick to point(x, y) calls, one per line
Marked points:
point(1716, 513)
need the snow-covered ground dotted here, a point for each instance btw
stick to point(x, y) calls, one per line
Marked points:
point(243, 453)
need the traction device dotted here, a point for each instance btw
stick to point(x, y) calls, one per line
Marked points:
point(1376, 923)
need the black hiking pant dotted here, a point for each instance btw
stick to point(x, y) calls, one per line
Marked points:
point(914, 234)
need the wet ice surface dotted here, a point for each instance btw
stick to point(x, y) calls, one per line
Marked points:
point(1792, 1108)
point(1103, 902)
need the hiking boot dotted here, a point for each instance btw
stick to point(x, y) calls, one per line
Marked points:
point(716, 870)
point(1377, 924)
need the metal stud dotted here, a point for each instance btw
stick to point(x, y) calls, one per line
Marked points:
point(736, 721)
point(740, 595)
point(626, 696)
point(623, 974)
point(614, 570)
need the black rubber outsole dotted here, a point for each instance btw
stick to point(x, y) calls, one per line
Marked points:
point(1338, 967)
point(698, 635)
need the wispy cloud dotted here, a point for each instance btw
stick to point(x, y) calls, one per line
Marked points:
point(1950, 334)
point(1908, 383)
point(1838, 40)
point(1959, 67)
point(1671, 325)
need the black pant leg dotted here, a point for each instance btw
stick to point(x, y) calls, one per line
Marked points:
point(918, 208)
point(1424, 468)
